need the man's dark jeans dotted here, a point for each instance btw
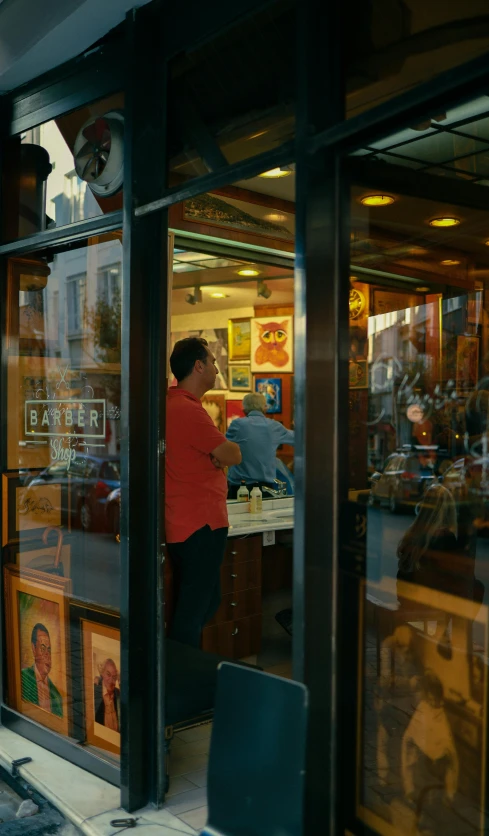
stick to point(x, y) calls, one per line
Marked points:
point(196, 565)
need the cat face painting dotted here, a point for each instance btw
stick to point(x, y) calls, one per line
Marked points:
point(271, 344)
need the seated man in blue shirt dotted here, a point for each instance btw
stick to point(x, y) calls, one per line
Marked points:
point(258, 438)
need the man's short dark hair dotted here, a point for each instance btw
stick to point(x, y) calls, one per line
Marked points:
point(185, 354)
point(38, 628)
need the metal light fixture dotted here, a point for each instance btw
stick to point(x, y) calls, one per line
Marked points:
point(263, 290)
point(195, 297)
point(219, 295)
point(248, 271)
point(444, 222)
point(377, 200)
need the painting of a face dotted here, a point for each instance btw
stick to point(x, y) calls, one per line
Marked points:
point(42, 653)
point(272, 341)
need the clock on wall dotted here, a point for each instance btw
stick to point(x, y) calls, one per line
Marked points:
point(357, 303)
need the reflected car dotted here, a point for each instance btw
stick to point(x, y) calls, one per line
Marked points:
point(91, 480)
point(405, 477)
point(113, 514)
point(468, 482)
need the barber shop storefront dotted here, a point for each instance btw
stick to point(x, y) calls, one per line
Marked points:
point(306, 191)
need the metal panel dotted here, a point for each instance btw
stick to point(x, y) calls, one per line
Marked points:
point(321, 352)
point(63, 235)
point(143, 378)
point(61, 746)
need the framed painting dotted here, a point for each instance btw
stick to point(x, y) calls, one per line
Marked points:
point(358, 374)
point(421, 710)
point(215, 406)
point(240, 377)
point(36, 627)
point(96, 664)
point(467, 362)
point(234, 410)
point(29, 510)
point(272, 342)
point(239, 339)
point(271, 389)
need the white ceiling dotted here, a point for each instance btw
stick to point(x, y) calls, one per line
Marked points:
point(240, 295)
point(38, 35)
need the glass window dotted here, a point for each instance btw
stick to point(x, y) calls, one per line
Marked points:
point(419, 380)
point(223, 117)
point(65, 170)
point(60, 552)
point(392, 47)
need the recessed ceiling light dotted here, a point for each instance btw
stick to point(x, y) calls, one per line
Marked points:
point(275, 217)
point(276, 172)
point(422, 289)
point(444, 222)
point(219, 295)
point(353, 278)
point(450, 262)
point(248, 271)
point(377, 200)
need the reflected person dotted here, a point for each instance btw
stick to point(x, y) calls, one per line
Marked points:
point(36, 685)
point(107, 697)
point(258, 438)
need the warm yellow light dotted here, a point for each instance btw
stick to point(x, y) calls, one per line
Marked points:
point(457, 435)
point(353, 278)
point(377, 200)
point(248, 271)
point(276, 172)
point(450, 262)
point(422, 289)
point(275, 217)
point(444, 222)
point(486, 243)
point(219, 295)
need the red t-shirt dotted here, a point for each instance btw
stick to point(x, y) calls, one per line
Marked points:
point(195, 490)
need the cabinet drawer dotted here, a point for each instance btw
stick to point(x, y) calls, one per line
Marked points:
point(234, 639)
point(242, 576)
point(242, 550)
point(238, 605)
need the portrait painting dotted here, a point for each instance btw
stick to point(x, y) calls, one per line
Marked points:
point(37, 645)
point(239, 377)
point(217, 340)
point(234, 409)
point(215, 406)
point(239, 337)
point(467, 362)
point(271, 389)
point(422, 710)
point(272, 344)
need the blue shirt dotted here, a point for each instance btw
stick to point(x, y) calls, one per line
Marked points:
point(258, 438)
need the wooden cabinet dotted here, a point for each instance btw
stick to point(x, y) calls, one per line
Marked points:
point(235, 630)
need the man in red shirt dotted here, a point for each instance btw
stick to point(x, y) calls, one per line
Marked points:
point(195, 490)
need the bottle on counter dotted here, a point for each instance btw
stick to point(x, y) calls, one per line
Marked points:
point(256, 498)
point(243, 494)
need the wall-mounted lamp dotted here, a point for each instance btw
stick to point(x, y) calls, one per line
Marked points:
point(263, 290)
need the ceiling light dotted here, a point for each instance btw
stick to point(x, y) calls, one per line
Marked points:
point(275, 217)
point(353, 278)
point(248, 271)
point(377, 200)
point(450, 262)
point(263, 290)
point(275, 173)
point(220, 295)
point(486, 243)
point(444, 222)
point(422, 289)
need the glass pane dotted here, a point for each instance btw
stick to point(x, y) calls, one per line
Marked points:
point(61, 492)
point(394, 46)
point(414, 548)
point(65, 170)
point(234, 97)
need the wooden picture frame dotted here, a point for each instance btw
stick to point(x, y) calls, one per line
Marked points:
point(239, 339)
point(215, 406)
point(95, 642)
point(28, 510)
point(33, 599)
point(467, 363)
point(240, 377)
